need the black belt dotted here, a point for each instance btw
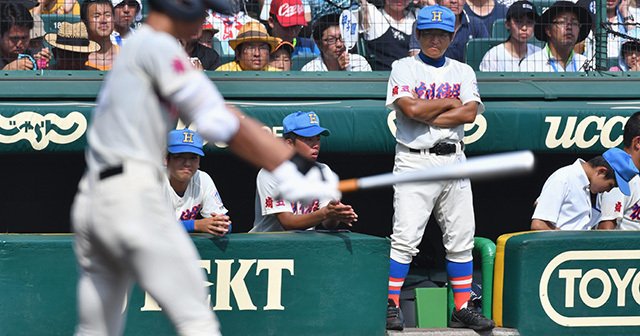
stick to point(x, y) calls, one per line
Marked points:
point(441, 148)
point(111, 171)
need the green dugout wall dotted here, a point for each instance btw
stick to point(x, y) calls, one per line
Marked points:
point(43, 118)
point(259, 284)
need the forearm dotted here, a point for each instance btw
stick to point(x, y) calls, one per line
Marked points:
point(290, 221)
point(607, 225)
point(425, 111)
point(189, 225)
point(538, 224)
point(461, 115)
point(257, 146)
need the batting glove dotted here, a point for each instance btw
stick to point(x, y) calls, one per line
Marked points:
point(301, 179)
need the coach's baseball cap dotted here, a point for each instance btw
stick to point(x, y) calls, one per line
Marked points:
point(306, 124)
point(185, 141)
point(521, 8)
point(436, 17)
point(623, 167)
point(288, 12)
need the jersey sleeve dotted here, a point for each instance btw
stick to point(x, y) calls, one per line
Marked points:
point(611, 204)
point(211, 200)
point(266, 186)
point(469, 88)
point(400, 82)
point(551, 199)
point(168, 65)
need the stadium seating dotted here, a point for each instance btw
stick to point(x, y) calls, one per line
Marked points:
point(51, 22)
point(477, 47)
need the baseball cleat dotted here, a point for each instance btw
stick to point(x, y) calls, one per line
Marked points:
point(467, 318)
point(395, 320)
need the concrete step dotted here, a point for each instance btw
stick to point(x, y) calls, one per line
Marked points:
point(452, 332)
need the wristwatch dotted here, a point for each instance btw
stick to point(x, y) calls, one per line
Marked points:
point(628, 18)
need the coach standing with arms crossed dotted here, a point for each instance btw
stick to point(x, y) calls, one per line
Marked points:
point(125, 230)
point(433, 97)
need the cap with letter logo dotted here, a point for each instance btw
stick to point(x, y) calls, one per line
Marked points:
point(185, 141)
point(306, 124)
point(436, 17)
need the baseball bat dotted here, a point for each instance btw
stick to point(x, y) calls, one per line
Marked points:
point(479, 167)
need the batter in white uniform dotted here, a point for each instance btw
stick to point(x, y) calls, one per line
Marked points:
point(125, 230)
point(192, 192)
point(433, 97)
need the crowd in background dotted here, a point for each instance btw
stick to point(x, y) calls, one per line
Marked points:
point(318, 35)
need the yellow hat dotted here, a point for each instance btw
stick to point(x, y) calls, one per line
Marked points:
point(72, 37)
point(254, 32)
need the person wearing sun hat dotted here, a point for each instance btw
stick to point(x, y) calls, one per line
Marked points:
point(252, 46)
point(71, 46)
point(562, 26)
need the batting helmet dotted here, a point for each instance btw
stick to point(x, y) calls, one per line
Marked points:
point(189, 10)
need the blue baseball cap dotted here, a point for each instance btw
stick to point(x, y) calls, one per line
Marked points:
point(306, 124)
point(185, 141)
point(436, 17)
point(623, 167)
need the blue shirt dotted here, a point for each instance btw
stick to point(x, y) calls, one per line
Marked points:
point(470, 27)
point(499, 12)
point(305, 46)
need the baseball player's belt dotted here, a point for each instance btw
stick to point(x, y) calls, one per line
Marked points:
point(441, 148)
point(111, 171)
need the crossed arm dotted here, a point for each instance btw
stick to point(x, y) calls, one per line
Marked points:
point(444, 112)
point(330, 216)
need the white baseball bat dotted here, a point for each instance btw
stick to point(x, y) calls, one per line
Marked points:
point(479, 167)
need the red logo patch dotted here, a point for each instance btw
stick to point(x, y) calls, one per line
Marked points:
point(618, 207)
point(178, 66)
point(268, 203)
point(394, 91)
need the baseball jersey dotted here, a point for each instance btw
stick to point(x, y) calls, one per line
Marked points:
point(267, 205)
point(565, 199)
point(201, 198)
point(499, 59)
point(625, 210)
point(120, 131)
point(452, 80)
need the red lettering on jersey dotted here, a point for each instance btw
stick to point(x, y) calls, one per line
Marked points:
point(268, 203)
point(178, 66)
point(394, 91)
point(279, 202)
point(618, 207)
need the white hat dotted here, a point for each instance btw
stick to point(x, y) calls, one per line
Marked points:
point(138, 15)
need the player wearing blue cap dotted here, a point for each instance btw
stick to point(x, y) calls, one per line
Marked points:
point(192, 193)
point(565, 201)
point(433, 96)
point(302, 130)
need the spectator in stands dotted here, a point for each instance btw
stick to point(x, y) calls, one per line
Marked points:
point(286, 19)
point(125, 13)
point(193, 195)
point(334, 55)
point(202, 57)
point(565, 202)
point(60, 7)
point(302, 131)
point(252, 49)
point(71, 46)
point(521, 18)
point(561, 27)
point(387, 31)
point(208, 31)
point(97, 16)
point(280, 58)
point(467, 27)
point(15, 25)
point(228, 27)
point(629, 56)
point(619, 19)
point(486, 11)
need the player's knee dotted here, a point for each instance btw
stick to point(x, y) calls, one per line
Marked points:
point(460, 256)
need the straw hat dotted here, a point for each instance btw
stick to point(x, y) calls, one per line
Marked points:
point(72, 37)
point(253, 32)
